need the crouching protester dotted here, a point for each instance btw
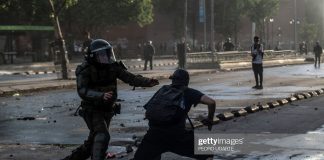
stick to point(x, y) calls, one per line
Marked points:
point(167, 111)
point(97, 87)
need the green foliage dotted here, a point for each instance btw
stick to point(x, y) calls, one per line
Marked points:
point(309, 32)
point(24, 12)
point(229, 14)
point(81, 12)
point(175, 10)
point(257, 10)
point(314, 21)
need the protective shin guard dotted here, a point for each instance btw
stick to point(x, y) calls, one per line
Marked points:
point(100, 146)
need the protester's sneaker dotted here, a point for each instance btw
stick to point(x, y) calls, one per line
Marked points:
point(255, 87)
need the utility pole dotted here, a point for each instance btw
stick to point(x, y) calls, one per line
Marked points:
point(295, 25)
point(185, 19)
point(212, 31)
point(205, 32)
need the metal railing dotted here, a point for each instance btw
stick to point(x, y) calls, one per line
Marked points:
point(236, 56)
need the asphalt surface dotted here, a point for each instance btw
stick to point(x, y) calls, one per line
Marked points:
point(55, 123)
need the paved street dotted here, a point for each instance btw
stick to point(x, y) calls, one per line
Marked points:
point(55, 123)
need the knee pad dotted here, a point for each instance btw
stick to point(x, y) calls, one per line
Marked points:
point(100, 145)
point(101, 138)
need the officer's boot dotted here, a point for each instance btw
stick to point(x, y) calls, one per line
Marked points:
point(80, 153)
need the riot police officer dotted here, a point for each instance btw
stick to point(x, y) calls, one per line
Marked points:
point(97, 87)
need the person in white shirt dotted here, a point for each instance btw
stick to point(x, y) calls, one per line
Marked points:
point(257, 59)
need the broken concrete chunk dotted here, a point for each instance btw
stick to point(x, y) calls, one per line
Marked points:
point(291, 99)
point(264, 106)
point(225, 116)
point(319, 92)
point(282, 101)
point(241, 112)
point(273, 104)
point(300, 96)
point(306, 95)
point(313, 93)
point(252, 109)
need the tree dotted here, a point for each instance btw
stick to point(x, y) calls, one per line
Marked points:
point(96, 14)
point(229, 14)
point(312, 25)
point(91, 14)
point(56, 9)
point(175, 10)
point(259, 10)
point(309, 32)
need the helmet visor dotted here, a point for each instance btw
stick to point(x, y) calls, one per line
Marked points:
point(105, 56)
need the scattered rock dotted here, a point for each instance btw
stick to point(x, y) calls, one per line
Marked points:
point(26, 118)
point(252, 109)
point(283, 101)
point(16, 95)
point(225, 116)
point(129, 149)
point(122, 125)
point(54, 106)
point(54, 121)
point(315, 109)
point(120, 100)
point(238, 113)
point(134, 136)
point(10, 155)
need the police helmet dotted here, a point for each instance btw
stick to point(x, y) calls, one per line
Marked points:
point(100, 52)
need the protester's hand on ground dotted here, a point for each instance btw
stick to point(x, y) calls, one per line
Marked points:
point(108, 95)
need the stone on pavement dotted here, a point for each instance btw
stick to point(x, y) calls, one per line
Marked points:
point(225, 116)
point(252, 109)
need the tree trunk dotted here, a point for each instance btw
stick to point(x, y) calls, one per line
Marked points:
point(61, 42)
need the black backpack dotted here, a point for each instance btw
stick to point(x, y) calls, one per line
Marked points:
point(166, 106)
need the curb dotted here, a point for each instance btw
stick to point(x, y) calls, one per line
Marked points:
point(7, 91)
point(270, 105)
point(265, 66)
point(73, 70)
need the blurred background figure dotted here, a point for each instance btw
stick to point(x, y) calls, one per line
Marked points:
point(228, 45)
point(149, 51)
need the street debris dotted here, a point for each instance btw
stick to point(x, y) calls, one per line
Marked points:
point(129, 149)
point(120, 100)
point(16, 95)
point(26, 118)
point(54, 106)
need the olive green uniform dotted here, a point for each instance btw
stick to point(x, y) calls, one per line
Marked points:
point(92, 82)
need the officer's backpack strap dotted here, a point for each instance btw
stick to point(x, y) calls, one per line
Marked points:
point(122, 65)
point(81, 67)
